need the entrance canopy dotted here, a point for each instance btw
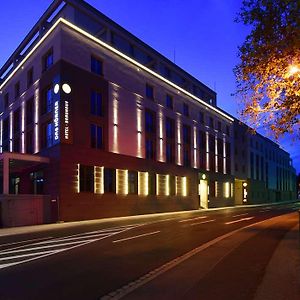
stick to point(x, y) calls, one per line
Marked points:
point(17, 162)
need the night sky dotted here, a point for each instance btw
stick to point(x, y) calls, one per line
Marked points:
point(200, 35)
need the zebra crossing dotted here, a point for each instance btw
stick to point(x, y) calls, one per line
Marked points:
point(36, 250)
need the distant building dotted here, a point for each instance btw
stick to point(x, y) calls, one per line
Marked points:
point(96, 123)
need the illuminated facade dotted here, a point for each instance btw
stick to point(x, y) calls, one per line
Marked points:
point(125, 130)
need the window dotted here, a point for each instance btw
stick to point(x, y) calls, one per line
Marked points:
point(185, 109)
point(46, 139)
point(132, 182)
point(170, 153)
point(48, 60)
point(86, 177)
point(17, 89)
point(211, 122)
point(29, 142)
point(201, 117)
point(47, 101)
point(186, 158)
point(96, 66)
point(17, 121)
point(169, 101)
point(227, 130)
point(16, 144)
point(219, 126)
point(150, 153)
point(109, 180)
point(186, 134)
point(6, 100)
point(152, 183)
point(170, 128)
point(30, 78)
point(149, 91)
point(96, 136)
point(29, 111)
point(150, 121)
point(96, 104)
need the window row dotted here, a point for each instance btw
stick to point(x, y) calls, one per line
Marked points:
point(101, 180)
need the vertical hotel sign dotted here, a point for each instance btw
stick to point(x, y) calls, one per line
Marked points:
point(61, 130)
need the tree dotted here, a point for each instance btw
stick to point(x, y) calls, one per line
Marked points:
point(268, 74)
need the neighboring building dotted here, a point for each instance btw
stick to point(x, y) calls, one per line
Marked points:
point(96, 123)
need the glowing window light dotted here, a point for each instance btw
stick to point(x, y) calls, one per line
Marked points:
point(167, 183)
point(207, 151)
point(216, 153)
point(143, 178)
point(184, 186)
point(98, 180)
point(78, 179)
point(122, 182)
point(10, 131)
point(224, 155)
point(23, 127)
point(178, 141)
point(129, 59)
point(226, 189)
point(36, 120)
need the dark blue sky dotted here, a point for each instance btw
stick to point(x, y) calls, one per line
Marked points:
point(202, 34)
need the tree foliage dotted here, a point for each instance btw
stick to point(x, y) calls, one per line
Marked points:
point(268, 74)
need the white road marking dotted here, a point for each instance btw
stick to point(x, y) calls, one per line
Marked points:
point(193, 224)
point(240, 215)
point(22, 254)
point(192, 219)
point(240, 220)
point(22, 242)
point(136, 236)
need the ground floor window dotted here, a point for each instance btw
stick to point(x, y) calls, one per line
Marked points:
point(86, 175)
point(37, 182)
point(109, 180)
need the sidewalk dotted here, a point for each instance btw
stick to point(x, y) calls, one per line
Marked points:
point(282, 277)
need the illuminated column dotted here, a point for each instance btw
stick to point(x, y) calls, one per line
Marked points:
point(11, 131)
point(216, 153)
point(36, 121)
point(1, 135)
point(161, 137)
point(23, 127)
point(139, 125)
point(224, 155)
point(195, 148)
point(78, 178)
point(98, 180)
point(184, 186)
point(167, 183)
point(122, 182)
point(178, 141)
point(207, 151)
point(115, 105)
point(143, 178)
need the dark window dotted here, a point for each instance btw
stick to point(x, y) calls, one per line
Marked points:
point(257, 167)
point(29, 77)
point(201, 117)
point(17, 89)
point(186, 157)
point(17, 121)
point(46, 135)
point(211, 122)
point(96, 136)
point(37, 182)
point(227, 130)
point(169, 101)
point(186, 109)
point(170, 128)
point(6, 100)
point(149, 91)
point(5, 129)
point(47, 101)
point(150, 121)
point(16, 144)
point(96, 104)
point(29, 111)
point(86, 177)
point(152, 183)
point(170, 152)
point(150, 152)
point(219, 126)
point(109, 180)
point(96, 66)
point(186, 134)
point(252, 165)
point(29, 142)
point(132, 182)
point(172, 185)
point(48, 60)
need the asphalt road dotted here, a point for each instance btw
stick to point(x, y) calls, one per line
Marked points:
point(195, 255)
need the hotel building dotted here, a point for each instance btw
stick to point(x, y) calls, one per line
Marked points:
point(95, 123)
